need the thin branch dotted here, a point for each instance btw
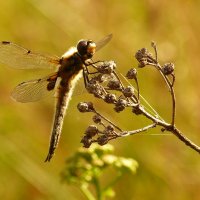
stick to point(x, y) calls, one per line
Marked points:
point(171, 89)
point(124, 100)
point(106, 119)
point(146, 128)
point(184, 139)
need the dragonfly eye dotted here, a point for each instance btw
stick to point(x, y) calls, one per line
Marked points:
point(86, 48)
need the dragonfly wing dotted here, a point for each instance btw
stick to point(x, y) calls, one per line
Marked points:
point(18, 57)
point(34, 90)
point(101, 43)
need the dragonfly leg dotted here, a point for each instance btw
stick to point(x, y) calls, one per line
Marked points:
point(85, 77)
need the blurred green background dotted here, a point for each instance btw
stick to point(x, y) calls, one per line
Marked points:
point(167, 168)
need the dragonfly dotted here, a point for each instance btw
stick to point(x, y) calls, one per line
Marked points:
point(68, 68)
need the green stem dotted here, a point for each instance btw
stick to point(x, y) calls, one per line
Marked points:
point(86, 192)
point(98, 189)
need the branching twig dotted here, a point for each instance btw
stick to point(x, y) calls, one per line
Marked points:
point(102, 88)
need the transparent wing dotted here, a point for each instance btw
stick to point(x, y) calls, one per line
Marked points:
point(34, 90)
point(101, 43)
point(21, 58)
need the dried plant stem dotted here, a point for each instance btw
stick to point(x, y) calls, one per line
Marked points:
point(184, 139)
point(106, 119)
point(146, 128)
point(157, 122)
point(125, 97)
point(171, 128)
point(171, 90)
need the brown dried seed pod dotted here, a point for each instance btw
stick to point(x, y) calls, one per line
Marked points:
point(128, 91)
point(137, 110)
point(106, 67)
point(110, 128)
point(91, 131)
point(120, 105)
point(85, 106)
point(132, 74)
point(110, 98)
point(102, 140)
point(144, 57)
point(168, 68)
point(86, 141)
point(142, 53)
point(96, 89)
point(96, 119)
point(114, 84)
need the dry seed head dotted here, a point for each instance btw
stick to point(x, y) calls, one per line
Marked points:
point(143, 62)
point(137, 110)
point(99, 78)
point(86, 141)
point(107, 67)
point(96, 89)
point(142, 53)
point(114, 84)
point(102, 140)
point(153, 44)
point(96, 119)
point(168, 68)
point(91, 131)
point(144, 57)
point(120, 105)
point(85, 107)
point(110, 98)
point(132, 74)
point(110, 128)
point(128, 91)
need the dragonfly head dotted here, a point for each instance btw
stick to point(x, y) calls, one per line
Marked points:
point(86, 49)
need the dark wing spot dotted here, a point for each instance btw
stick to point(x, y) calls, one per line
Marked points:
point(5, 42)
point(21, 83)
point(29, 51)
point(51, 85)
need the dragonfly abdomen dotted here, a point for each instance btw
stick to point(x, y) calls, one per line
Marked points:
point(64, 94)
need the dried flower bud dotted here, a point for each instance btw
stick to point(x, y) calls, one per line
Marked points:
point(96, 119)
point(114, 84)
point(106, 67)
point(128, 91)
point(85, 107)
point(86, 141)
point(143, 63)
point(93, 80)
point(100, 78)
point(96, 89)
point(121, 102)
point(132, 74)
point(153, 44)
point(142, 53)
point(120, 105)
point(168, 68)
point(91, 131)
point(110, 98)
point(110, 128)
point(144, 57)
point(137, 110)
point(102, 140)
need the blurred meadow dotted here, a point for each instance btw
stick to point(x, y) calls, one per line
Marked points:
point(167, 168)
